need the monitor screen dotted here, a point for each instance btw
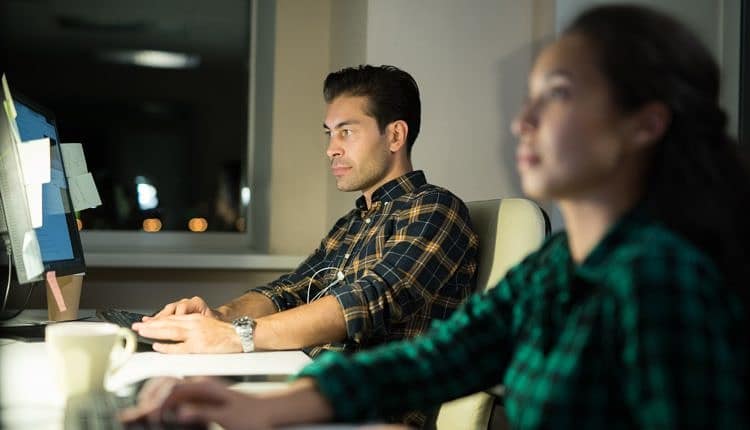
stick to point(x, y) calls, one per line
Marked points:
point(15, 220)
point(58, 237)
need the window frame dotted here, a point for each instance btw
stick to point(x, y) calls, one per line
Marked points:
point(117, 248)
point(743, 122)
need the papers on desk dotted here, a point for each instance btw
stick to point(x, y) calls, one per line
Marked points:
point(146, 365)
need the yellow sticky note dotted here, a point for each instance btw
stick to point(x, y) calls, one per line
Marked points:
point(11, 108)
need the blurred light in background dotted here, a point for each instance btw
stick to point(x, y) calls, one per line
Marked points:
point(198, 225)
point(151, 225)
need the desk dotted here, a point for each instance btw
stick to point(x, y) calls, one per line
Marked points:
point(30, 398)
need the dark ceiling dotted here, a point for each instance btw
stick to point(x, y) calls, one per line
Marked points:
point(214, 29)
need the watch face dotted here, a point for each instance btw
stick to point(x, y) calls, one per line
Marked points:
point(244, 327)
point(243, 322)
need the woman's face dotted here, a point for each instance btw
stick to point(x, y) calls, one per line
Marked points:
point(572, 137)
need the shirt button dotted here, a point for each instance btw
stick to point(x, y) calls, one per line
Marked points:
point(368, 220)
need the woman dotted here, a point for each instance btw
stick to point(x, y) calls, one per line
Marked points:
point(635, 317)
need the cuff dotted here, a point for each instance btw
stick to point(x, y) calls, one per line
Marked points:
point(271, 294)
point(338, 381)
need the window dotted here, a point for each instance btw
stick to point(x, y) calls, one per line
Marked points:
point(157, 92)
point(744, 108)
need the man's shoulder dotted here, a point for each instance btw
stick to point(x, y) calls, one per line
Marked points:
point(431, 194)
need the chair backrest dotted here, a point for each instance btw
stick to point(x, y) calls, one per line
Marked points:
point(508, 230)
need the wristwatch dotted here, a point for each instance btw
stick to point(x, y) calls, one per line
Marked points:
point(245, 326)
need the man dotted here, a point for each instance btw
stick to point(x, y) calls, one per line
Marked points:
point(404, 256)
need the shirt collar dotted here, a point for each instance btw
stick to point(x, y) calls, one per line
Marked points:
point(394, 189)
point(595, 265)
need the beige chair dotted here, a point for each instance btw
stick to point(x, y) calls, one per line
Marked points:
point(508, 230)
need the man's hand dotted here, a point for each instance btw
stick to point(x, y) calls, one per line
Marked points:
point(195, 305)
point(192, 333)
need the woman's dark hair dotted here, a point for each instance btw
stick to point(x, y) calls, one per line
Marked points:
point(392, 94)
point(697, 183)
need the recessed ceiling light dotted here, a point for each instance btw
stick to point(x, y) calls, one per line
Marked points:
point(153, 58)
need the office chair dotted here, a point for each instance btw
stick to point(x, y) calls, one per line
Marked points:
point(508, 230)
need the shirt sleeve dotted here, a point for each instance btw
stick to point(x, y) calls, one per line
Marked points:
point(431, 241)
point(463, 354)
point(681, 364)
point(291, 290)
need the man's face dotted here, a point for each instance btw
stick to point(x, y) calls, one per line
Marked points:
point(359, 153)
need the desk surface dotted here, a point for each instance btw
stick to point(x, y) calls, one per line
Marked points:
point(30, 397)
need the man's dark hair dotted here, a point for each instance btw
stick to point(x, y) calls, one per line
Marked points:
point(392, 95)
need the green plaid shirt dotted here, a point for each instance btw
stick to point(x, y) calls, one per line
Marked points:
point(642, 334)
point(408, 259)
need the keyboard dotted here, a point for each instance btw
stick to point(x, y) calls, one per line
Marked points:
point(126, 319)
point(98, 411)
point(120, 317)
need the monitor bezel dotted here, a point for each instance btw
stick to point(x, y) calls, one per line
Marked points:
point(76, 265)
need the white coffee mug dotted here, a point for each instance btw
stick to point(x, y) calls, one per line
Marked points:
point(82, 354)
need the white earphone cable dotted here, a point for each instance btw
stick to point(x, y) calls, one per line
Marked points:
point(340, 276)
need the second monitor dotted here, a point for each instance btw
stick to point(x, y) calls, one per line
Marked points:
point(59, 239)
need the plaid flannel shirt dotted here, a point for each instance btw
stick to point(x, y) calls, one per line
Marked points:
point(408, 259)
point(642, 334)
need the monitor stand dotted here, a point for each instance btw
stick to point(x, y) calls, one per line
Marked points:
point(8, 315)
point(20, 328)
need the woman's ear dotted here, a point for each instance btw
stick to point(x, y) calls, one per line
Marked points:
point(397, 131)
point(650, 124)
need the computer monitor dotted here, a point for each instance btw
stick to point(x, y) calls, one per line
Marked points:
point(15, 220)
point(58, 236)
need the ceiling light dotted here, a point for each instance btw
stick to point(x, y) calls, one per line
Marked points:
point(153, 58)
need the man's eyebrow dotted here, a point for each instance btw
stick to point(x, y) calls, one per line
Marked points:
point(342, 124)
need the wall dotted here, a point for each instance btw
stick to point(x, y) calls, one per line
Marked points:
point(470, 61)
point(150, 289)
point(716, 22)
point(298, 162)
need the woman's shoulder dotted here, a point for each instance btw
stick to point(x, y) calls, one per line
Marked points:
point(654, 256)
point(647, 242)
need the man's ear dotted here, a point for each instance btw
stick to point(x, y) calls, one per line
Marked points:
point(397, 131)
point(650, 123)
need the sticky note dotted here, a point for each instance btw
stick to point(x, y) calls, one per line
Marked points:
point(32, 255)
point(10, 110)
point(83, 192)
point(35, 161)
point(56, 292)
point(73, 159)
point(34, 198)
point(53, 200)
point(11, 106)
